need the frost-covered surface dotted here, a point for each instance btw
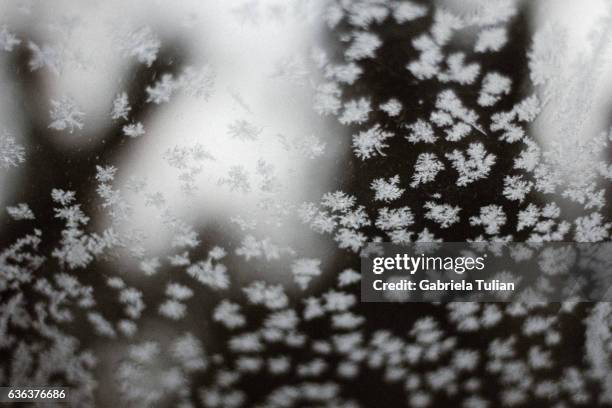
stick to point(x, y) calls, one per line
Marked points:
point(459, 123)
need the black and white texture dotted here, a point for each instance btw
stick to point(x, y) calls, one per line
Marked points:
point(186, 188)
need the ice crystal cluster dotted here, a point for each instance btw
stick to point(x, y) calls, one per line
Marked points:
point(457, 122)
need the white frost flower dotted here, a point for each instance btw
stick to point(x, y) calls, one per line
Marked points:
point(243, 130)
point(547, 53)
point(493, 86)
point(450, 108)
point(407, 11)
point(11, 153)
point(591, 228)
point(327, 99)
point(162, 90)
point(348, 277)
point(237, 179)
point(430, 57)
point(101, 326)
point(364, 45)
point(370, 143)
point(178, 291)
point(491, 39)
point(394, 218)
point(310, 146)
point(189, 352)
point(304, 270)
point(387, 190)
point(458, 71)
point(229, 315)
point(8, 40)
point(142, 44)
point(421, 131)
point(209, 274)
point(198, 83)
point(476, 166)
point(134, 130)
point(348, 238)
point(150, 266)
point(426, 169)
point(443, 214)
point(338, 201)
point(355, 111)
point(392, 107)
point(44, 57)
point(173, 309)
point(262, 293)
point(515, 188)
point(343, 73)
point(121, 107)
point(20, 212)
point(492, 217)
point(65, 114)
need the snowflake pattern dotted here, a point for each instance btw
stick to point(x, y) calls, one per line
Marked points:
point(442, 122)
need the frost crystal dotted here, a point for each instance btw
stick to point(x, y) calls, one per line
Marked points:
point(355, 111)
point(304, 270)
point(243, 130)
point(421, 131)
point(207, 273)
point(426, 168)
point(121, 107)
point(46, 56)
point(11, 153)
point(392, 107)
point(233, 280)
point(142, 44)
point(476, 166)
point(491, 39)
point(237, 179)
point(364, 46)
point(198, 83)
point(492, 217)
point(493, 85)
point(20, 212)
point(162, 90)
point(387, 190)
point(8, 40)
point(408, 11)
point(443, 214)
point(370, 143)
point(65, 115)
point(134, 130)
